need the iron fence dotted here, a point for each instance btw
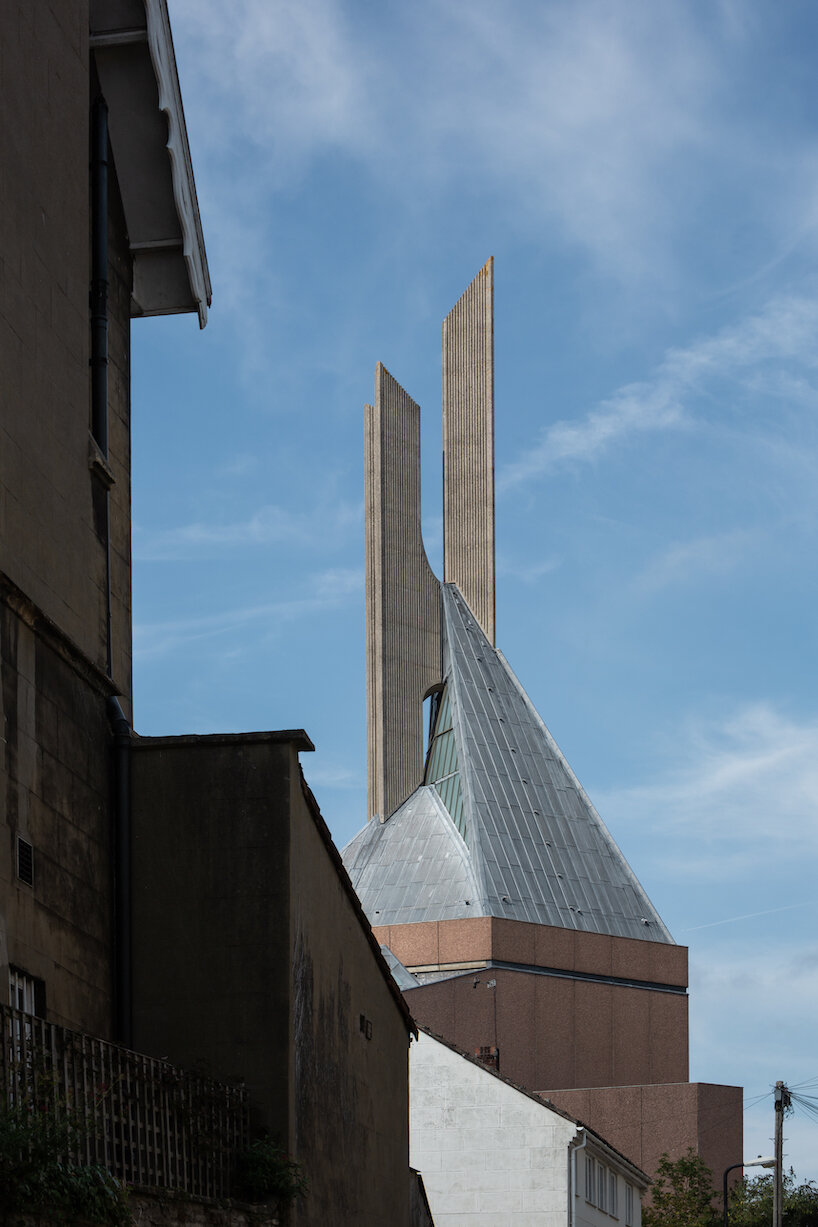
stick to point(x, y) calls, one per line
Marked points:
point(148, 1122)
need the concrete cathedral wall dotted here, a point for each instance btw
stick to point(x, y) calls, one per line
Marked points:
point(403, 653)
point(468, 447)
point(551, 1030)
point(644, 1122)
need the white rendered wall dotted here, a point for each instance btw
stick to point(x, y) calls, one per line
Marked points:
point(489, 1155)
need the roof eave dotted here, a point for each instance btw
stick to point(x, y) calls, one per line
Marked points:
point(136, 63)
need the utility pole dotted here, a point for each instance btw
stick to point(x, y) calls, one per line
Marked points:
point(782, 1102)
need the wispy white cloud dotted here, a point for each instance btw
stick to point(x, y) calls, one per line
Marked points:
point(689, 561)
point(634, 409)
point(269, 525)
point(319, 593)
point(583, 116)
point(744, 353)
point(736, 792)
point(527, 572)
point(752, 1013)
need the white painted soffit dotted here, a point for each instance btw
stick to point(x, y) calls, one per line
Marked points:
point(133, 49)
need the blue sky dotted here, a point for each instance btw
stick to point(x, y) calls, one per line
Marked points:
point(646, 176)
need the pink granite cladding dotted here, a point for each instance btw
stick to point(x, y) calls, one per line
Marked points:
point(645, 1122)
point(512, 941)
point(560, 1032)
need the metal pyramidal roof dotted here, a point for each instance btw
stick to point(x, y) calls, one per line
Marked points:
point(525, 842)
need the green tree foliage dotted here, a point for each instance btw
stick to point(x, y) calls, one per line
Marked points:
point(682, 1194)
point(34, 1177)
point(265, 1170)
point(751, 1202)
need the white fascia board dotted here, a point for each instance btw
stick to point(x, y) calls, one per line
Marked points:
point(160, 43)
point(133, 47)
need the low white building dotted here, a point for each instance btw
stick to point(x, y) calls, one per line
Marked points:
point(493, 1155)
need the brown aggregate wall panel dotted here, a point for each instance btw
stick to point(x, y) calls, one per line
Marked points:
point(630, 1037)
point(669, 1044)
point(560, 1032)
point(555, 1051)
point(468, 447)
point(403, 652)
point(415, 945)
point(645, 1122)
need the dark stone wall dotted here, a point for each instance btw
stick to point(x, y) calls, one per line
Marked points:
point(50, 544)
point(211, 849)
point(54, 793)
point(252, 962)
point(350, 1076)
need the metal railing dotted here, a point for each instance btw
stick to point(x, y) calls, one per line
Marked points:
point(147, 1121)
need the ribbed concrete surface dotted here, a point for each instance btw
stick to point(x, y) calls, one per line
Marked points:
point(468, 447)
point(402, 600)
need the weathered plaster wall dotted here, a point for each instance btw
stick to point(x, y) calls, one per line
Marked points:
point(487, 1153)
point(211, 850)
point(54, 793)
point(50, 543)
point(349, 1049)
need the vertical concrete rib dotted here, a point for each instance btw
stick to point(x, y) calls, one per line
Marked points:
point(468, 447)
point(403, 655)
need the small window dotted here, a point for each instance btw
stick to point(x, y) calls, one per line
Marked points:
point(602, 1182)
point(629, 1205)
point(25, 861)
point(590, 1179)
point(22, 991)
point(612, 1195)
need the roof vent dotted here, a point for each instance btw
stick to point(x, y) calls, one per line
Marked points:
point(25, 861)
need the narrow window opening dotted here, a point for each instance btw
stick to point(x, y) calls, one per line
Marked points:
point(25, 861)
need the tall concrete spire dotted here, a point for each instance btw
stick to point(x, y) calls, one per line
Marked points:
point(468, 447)
point(403, 661)
point(403, 646)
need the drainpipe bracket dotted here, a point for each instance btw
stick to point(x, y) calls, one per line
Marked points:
point(98, 464)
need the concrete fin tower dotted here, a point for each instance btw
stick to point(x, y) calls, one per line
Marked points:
point(468, 447)
point(402, 599)
point(490, 867)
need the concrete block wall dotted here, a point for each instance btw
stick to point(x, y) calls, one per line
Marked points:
point(54, 793)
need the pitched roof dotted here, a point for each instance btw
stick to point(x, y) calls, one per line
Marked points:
point(527, 844)
point(640, 1177)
